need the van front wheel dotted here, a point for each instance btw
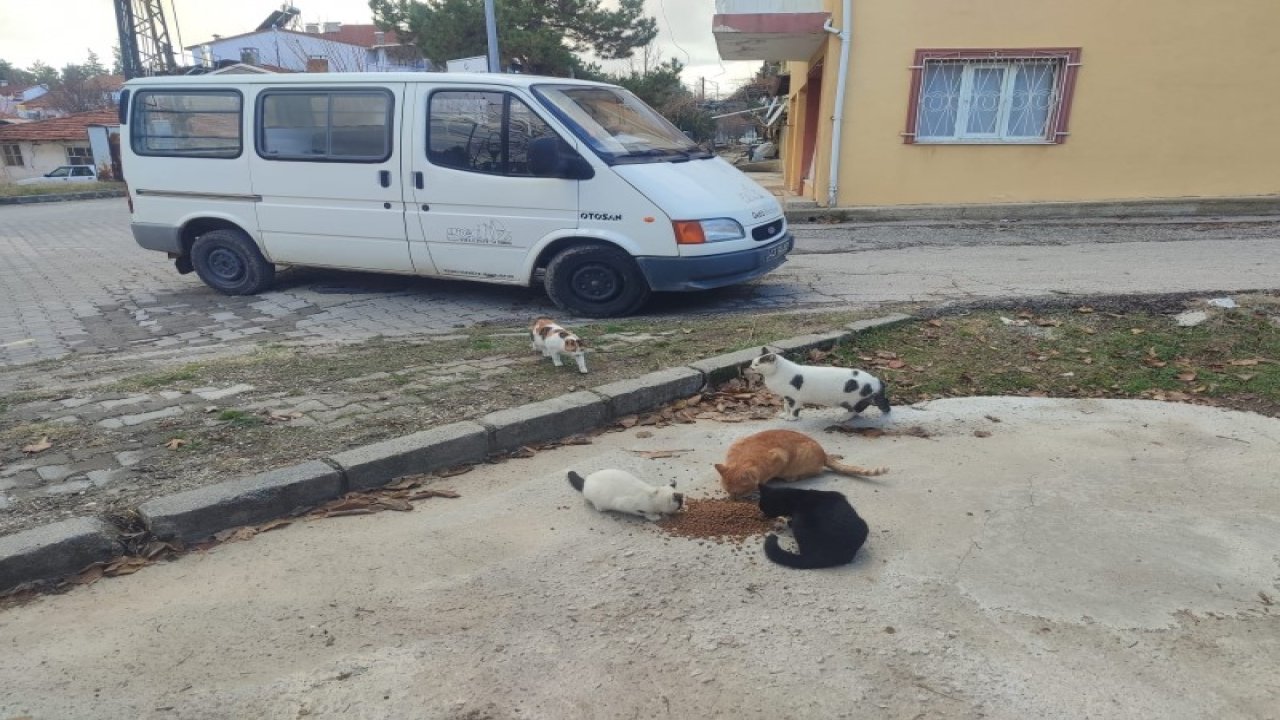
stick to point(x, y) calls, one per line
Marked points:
point(228, 261)
point(596, 281)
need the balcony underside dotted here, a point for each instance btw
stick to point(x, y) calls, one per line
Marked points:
point(769, 36)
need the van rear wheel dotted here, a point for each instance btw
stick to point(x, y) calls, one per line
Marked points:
point(596, 281)
point(228, 261)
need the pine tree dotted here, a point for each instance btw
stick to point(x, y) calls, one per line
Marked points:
point(543, 36)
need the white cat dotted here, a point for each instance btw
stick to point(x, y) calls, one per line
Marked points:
point(620, 491)
point(553, 341)
point(799, 384)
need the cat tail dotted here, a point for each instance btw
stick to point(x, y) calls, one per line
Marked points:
point(774, 552)
point(833, 462)
point(576, 480)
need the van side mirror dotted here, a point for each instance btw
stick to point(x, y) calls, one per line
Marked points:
point(551, 157)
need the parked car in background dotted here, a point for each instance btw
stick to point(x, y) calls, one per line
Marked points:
point(64, 174)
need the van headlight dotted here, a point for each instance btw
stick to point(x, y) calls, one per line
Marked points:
point(696, 232)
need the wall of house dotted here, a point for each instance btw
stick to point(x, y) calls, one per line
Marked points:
point(1171, 101)
point(37, 159)
point(291, 51)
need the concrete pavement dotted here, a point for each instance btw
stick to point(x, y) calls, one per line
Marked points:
point(1102, 559)
point(76, 282)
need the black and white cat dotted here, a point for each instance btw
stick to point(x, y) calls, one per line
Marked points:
point(620, 491)
point(827, 529)
point(798, 385)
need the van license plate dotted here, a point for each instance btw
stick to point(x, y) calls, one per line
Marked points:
point(776, 251)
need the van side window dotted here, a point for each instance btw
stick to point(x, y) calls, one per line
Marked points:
point(487, 132)
point(333, 126)
point(204, 124)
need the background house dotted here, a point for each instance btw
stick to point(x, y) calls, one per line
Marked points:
point(34, 148)
point(1010, 101)
point(331, 47)
point(12, 96)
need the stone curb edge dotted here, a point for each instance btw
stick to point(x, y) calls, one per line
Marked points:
point(53, 551)
point(61, 197)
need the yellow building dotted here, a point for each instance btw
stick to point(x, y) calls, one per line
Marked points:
point(1011, 101)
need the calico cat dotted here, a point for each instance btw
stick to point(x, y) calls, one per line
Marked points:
point(798, 384)
point(756, 459)
point(623, 492)
point(553, 341)
point(827, 529)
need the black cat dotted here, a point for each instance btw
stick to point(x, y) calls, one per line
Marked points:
point(827, 529)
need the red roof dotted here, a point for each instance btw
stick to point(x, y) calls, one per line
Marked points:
point(361, 35)
point(71, 127)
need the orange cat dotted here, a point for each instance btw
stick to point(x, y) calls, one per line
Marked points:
point(756, 459)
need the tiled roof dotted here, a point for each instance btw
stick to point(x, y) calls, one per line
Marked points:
point(359, 35)
point(71, 127)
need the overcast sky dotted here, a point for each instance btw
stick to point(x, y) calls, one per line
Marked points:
point(62, 31)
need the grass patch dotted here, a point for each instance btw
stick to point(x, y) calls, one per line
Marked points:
point(284, 369)
point(240, 418)
point(11, 190)
point(1232, 359)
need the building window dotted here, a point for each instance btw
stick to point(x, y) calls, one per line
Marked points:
point(12, 155)
point(79, 156)
point(486, 132)
point(249, 56)
point(339, 126)
point(191, 123)
point(991, 96)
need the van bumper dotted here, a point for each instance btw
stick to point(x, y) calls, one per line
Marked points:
point(165, 238)
point(682, 274)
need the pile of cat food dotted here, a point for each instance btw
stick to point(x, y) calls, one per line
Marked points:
point(718, 519)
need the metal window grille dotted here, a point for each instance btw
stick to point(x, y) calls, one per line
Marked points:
point(79, 156)
point(989, 100)
point(12, 155)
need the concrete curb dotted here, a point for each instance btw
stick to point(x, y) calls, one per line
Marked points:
point(63, 548)
point(197, 514)
point(32, 199)
point(1184, 207)
point(56, 550)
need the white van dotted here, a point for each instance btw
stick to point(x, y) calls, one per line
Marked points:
point(497, 178)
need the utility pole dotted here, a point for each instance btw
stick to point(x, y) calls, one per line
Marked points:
point(702, 94)
point(491, 25)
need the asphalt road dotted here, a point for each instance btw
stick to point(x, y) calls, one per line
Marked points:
point(75, 282)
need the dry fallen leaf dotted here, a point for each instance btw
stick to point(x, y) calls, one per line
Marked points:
point(454, 472)
point(1136, 331)
point(1245, 363)
point(896, 364)
point(981, 434)
point(1187, 377)
point(1084, 309)
point(1246, 377)
point(175, 443)
point(629, 421)
point(646, 434)
point(38, 447)
point(935, 323)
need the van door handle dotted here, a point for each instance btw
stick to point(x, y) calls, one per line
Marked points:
point(384, 178)
point(417, 180)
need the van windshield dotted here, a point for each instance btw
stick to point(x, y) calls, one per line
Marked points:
point(619, 126)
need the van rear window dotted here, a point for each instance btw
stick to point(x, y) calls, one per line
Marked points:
point(176, 123)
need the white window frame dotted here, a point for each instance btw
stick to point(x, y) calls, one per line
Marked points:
point(11, 153)
point(87, 154)
point(961, 135)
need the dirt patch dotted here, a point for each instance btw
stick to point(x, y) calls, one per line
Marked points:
point(284, 405)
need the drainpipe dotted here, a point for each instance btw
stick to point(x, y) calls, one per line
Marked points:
point(837, 119)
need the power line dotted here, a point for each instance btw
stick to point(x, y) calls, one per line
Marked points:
point(688, 58)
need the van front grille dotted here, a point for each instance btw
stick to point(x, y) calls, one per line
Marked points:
point(769, 231)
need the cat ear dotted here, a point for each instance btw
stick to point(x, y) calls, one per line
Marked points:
point(764, 351)
point(722, 469)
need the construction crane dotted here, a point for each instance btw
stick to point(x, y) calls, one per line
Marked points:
point(145, 48)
